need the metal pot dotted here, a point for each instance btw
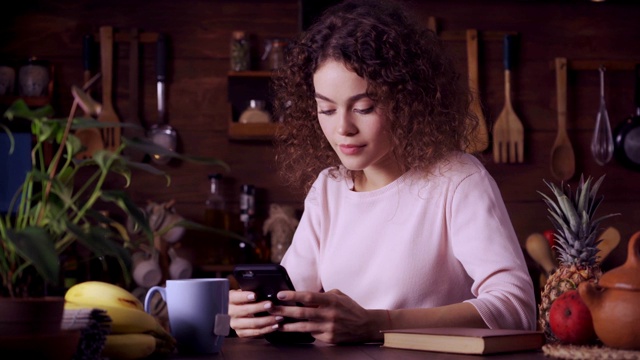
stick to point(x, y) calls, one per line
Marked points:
point(627, 134)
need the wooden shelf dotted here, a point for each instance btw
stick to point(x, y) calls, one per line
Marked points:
point(264, 74)
point(594, 64)
point(32, 101)
point(259, 131)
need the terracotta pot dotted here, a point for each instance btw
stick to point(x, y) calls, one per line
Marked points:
point(30, 316)
point(615, 301)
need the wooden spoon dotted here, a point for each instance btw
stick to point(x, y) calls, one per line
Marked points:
point(538, 248)
point(563, 163)
point(609, 240)
point(480, 142)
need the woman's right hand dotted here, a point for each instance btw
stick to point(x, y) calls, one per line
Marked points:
point(242, 310)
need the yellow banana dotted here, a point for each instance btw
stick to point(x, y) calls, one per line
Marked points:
point(128, 321)
point(128, 346)
point(98, 293)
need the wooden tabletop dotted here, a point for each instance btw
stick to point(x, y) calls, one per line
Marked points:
point(248, 349)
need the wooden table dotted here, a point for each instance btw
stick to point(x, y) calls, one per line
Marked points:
point(249, 349)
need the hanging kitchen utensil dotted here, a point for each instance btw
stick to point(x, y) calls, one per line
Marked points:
point(111, 134)
point(162, 134)
point(609, 240)
point(508, 140)
point(602, 141)
point(134, 82)
point(627, 133)
point(563, 162)
point(480, 140)
point(134, 95)
point(90, 138)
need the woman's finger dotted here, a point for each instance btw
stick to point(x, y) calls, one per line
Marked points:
point(260, 323)
point(245, 310)
point(241, 297)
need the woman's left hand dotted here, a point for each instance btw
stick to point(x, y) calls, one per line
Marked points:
point(332, 316)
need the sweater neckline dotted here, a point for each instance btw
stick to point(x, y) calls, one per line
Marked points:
point(377, 192)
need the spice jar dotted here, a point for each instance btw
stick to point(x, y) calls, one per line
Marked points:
point(240, 51)
point(33, 78)
point(255, 113)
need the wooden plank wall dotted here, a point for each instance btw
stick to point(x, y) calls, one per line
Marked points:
point(199, 33)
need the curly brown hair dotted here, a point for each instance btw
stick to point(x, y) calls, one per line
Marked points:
point(409, 76)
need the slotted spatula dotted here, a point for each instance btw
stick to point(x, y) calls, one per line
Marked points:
point(508, 132)
point(110, 135)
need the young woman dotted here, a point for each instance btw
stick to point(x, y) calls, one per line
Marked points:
point(400, 228)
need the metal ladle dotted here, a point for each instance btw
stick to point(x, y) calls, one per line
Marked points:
point(162, 134)
point(602, 141)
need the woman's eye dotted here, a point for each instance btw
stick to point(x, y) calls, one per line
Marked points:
point(325, 112)
point(366, 111)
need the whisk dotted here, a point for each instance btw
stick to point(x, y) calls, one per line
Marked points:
point(602, 141)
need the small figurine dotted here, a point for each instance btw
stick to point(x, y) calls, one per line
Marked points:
point(282, 224)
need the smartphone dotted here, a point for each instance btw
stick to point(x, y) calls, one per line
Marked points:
point(266, 280)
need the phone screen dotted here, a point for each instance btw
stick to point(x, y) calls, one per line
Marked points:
point(266, 280)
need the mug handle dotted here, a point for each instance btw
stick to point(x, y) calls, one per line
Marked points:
point(149, 296)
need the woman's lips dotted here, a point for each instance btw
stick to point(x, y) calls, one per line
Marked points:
point(350, 149)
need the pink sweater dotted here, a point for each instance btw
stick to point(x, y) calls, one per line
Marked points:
point(418, 242)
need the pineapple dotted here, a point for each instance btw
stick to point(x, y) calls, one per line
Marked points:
point(576, 234)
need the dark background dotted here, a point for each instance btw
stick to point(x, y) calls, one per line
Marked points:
point(198, 98)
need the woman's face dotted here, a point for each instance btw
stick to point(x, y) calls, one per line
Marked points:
point(350, 120)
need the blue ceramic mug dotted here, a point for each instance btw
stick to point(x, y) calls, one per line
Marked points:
point(198, 312)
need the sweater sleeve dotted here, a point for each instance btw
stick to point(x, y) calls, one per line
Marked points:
point(484, 241)
point(301, 259)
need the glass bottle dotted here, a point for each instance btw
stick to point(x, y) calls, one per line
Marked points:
point(217, 216)
point(240, 51)
point(255, 113)
point(247, 215)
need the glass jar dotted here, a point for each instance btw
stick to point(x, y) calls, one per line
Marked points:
point(255, 113)
point(273, 56)
point(7, 78)
point(240, 51)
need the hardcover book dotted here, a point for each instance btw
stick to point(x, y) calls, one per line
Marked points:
point(464, 340)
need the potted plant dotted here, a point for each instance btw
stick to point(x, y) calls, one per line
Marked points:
point(53, 211)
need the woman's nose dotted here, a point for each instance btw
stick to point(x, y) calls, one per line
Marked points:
point(345, 126)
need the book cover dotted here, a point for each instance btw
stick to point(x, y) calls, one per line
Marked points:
point(464, 340)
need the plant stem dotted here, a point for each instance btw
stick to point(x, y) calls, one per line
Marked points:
point(56, 158)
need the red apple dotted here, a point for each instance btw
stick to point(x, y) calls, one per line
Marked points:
point(549, 235)
point(570, 319)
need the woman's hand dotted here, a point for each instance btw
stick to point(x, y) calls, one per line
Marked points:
point(332, 317)
point(242, 310)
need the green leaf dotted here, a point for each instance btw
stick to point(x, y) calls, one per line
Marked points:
point(148, 147)
point(20, 109)
point(12, 142)
point(123, 201)
point(187, 224)
point(35, 245)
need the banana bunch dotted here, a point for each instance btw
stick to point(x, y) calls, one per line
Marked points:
point(134, 334)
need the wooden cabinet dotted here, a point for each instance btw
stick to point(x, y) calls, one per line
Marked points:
point(244, 86)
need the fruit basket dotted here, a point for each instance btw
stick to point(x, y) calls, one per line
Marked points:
point(561, 351)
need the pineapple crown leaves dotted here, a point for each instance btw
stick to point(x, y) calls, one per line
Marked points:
point(572, 217)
